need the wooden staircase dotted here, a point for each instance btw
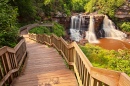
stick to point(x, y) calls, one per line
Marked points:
point(44, 67)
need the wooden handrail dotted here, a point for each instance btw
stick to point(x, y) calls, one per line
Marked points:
point(11, 60)
point(86, 74)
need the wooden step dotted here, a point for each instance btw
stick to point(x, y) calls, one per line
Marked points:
point(44, 65)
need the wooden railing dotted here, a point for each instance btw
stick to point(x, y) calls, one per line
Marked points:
point(86, 74)
point(11, 60)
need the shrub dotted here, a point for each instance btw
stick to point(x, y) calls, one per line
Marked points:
point(126, 26)
point(57, 29)
point(8, 38)
point(40, 30)
point(109, 59)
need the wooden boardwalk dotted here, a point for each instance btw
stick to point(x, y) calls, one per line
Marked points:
point(44, 67)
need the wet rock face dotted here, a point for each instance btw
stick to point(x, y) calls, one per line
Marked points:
point(123, 11)
point(98, 25)
point(85, 23)
point(98, 22)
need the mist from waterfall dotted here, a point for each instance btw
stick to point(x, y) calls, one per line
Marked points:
point(110, 31)
point(90, 34)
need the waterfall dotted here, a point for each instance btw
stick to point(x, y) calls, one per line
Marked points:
point(110, 31)
point(75, 28)
point(79, 23)
point(90, 34)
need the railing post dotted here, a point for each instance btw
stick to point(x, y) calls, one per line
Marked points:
point(72, 58)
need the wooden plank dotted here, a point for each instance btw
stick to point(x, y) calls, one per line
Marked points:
point(3, 50)
point(124, 80)
point(106, 76)
point(10, 50)
point(44, 64)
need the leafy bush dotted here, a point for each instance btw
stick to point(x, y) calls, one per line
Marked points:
point(8, 38)
point(109, 59)
point(126, 26)
point(57, 29)
point(40, 30)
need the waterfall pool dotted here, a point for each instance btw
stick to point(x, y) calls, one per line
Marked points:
point(113, 44)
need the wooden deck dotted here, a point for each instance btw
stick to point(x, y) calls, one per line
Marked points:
point(44, 67)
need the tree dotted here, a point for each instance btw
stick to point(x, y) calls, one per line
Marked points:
point(104, 6)
point(89, 7)
point(8, 29)
point(78, 5)
point(26, 9)
point(53, 6)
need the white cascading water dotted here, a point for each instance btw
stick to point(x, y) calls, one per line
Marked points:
point(110, 31)
point(90, 34)
point(75, 28)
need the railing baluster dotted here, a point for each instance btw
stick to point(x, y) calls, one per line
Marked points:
point(4, 65)
point(83, 70)
point(99, 83)
point(88, 79)
point(1, 69)
point(85, 76)
point(9, 67)
point(95, 82)
point(81, 67)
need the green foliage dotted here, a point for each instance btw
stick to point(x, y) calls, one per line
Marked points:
point(78, 5)
point(40, 30)
point(89, 7)
point(66, 10)
point(8, 15)
point(103, 6)
point(46, 2)
point(57, 29)
point(119, 2)
point(26, 10)
point(53, 6)
point(8, 38)
point(126, 26)
point(8, 30)
point(109, 59)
